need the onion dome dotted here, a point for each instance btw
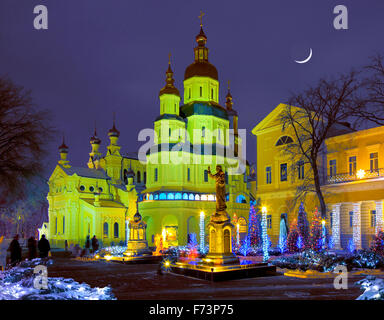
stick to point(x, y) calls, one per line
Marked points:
point(94, 139)
point(63, 148)
point(169, 87)
point(201, 66)
point(114, 132)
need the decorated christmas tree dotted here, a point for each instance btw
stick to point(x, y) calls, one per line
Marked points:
point(254, 227)
point(378, 243)
point(293, 237)
point(303, 225)
point(316, 232)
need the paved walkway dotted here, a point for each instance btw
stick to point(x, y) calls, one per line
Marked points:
point(143, 282)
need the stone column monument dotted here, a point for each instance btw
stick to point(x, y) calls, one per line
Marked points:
point(220, 227)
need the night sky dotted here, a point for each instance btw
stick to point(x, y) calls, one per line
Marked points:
point(100, 57)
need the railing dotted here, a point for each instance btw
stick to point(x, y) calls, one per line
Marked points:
point(359, 175)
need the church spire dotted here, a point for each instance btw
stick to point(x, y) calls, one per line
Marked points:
point(169, 87)
point(94, 155)
point(228, 98)
point(201, 52)
point(63, 149)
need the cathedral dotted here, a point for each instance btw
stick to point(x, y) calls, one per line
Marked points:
point(175, 199)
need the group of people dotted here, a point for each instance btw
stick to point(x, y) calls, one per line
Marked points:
point(16, 252)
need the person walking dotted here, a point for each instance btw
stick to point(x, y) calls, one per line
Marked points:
point(87, 246)
point(15, 250)
point(3, 253)
point(95, 244)
point(32, 248)
point(43, 246)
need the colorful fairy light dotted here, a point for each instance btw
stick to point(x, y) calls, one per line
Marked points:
point(238, 234)
point(357, 225)
point(264, 234)
point(202, 232)
point(336, 226)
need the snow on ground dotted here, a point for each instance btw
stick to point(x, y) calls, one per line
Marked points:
point(18, 284)
point(374, 288)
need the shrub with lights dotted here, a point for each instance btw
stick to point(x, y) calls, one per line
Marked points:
point(293, 237)
point(316, 232)
point(254, 226)
point(303, 225)
point(378, 243)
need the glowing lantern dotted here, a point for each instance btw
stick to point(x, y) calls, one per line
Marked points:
point(360, 174)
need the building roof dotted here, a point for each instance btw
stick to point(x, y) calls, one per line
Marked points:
point(105, 203)
point(86, 172)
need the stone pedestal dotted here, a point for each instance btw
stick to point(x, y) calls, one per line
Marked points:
point(136, 248)
point(137, 243)
point(220, 241)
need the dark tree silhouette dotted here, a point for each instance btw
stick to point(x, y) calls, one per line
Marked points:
point(24, 133)
point(313, 116)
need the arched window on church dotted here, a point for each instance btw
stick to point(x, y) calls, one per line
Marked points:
point(116, 230)
point(56, 225)
point(203, 132)
point(138, 177)
point(63, 224)
point(156, 172)
point(145, 177)
point(125, 174)
point(105, 230)
point(284, 140)
point(201, 91)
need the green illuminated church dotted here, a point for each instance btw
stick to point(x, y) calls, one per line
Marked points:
point(172, 184)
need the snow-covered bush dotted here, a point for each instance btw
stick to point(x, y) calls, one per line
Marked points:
point(373, 288)
point(324, 261)
point(18, 284)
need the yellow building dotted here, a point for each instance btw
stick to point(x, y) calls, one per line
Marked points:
point(101, 198)
point(353, 197)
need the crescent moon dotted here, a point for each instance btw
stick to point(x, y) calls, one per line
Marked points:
point(306, 60)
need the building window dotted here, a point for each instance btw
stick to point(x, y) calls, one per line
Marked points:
point(283, 172)
point(226, 177)
point(351, 219)
point(212, 94)
point(138, 177)
point(116, 230)
point(145, 177)
point(203, 132)
point(105, 230)
point(82, 188)
point(374, 161)
point(300, 168)
point(170, 131)
point(331, 219)
point(189, 174)
point(269, 221)
point(91, 188)
point(332, 168)
point(268, 171)
point(156, 174)
point(201, 91)
point(352, 166)
point(63, 225)
point(284, 140)
point(205, 175)
point(373, 218)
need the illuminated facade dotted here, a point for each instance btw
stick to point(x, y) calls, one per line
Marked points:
point(100, 199)
point(351, 177)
